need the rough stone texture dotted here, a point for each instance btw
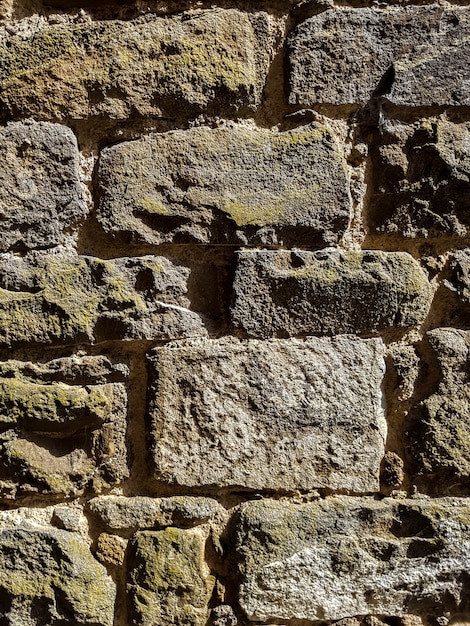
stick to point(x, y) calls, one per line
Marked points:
point(64, 297)
point(282, 293)
point(278, 414)
point(343, 557)
point(168, 580)
point(118, 513)
point(439, 425)
point(421, 179)
point(414, 56)
point(114, 69)
point(41, 199)
point(232, 184)
point(48, 576)
point(458, 280)
point(60, 437)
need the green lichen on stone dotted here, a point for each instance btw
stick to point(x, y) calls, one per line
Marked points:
point(149, 205)
point(168, 580)
point(22, 401)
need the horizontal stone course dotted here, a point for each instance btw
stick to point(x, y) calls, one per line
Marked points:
point(343, 557)
point(277, 414)
point(282, 293)
point(233, 184)
point(412, 56)
point(63, 297)
point(162, 66)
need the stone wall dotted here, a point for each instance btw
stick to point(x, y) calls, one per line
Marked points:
point(234, 313)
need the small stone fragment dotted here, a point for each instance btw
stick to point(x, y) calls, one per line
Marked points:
point(268, 415)
point(67, 517)
point(111, 549)
point(232, 184)
point(344, 557)
point(190, 63)
point(168, 579)
point(459, 278)
point(58, 438)
point(410, 55)
point(223, 615)
point(421, 179)
point(282, 293)
point(439, 433)
point(64, 297)
point(41, 198)
point(124, 514)
point(50, 574)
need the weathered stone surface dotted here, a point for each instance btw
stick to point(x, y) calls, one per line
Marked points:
point(421, 179)
point(231, 184)
point(48, 576)
point(57, 437)
point(168, 580)
point(459, 275)
point(160, 66)
point(118, 513)
point(415, 56)
point(268, 415)
point(439, 425)
point(64, 297)
point(282, 293)
point(41, 198)
point(343, 557)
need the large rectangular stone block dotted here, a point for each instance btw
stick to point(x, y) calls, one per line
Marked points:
point(282, 293)
point(64, 297)
point(421, 179)
point(233, 184)
point(179, 65)
point(41, 198)
point(347, 557)
point(414, 56)
point(278, 414)
point(62, 426)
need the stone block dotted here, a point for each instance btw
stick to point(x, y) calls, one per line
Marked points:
point(282, 293)
point(168, 579)
point(124, 514)
point(438, 426)
point(49, 576)
point(180, 65)
point(413, 56)
point(67, 298)
point(280, 415)
point(57, 437)
point(421, 179)
point(344, 557)
point(231, 184)
point(41, 198)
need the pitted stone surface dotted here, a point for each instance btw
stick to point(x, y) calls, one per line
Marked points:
point(49, 576)
point(343, 557)
point(421, 179)
point(282, 293)
point(60, 437)
point(64, 297)
point(41, 198)
point(227, 185)
point(268, 415)
point(439, 424)
point(168, 580)
point(412, 56)
point(157, 66)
